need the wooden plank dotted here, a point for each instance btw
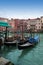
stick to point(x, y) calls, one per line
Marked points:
point(3, 61)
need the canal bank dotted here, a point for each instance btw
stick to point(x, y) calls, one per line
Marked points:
point(33, 56)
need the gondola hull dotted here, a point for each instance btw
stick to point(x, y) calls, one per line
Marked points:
point(10, 43)
point(24, 46)
point(33, 40)
point(13, 43)
point(28, 43)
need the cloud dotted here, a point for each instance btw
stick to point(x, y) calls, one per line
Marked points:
point(22, 14)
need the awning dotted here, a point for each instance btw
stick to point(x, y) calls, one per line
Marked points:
point(4, 24)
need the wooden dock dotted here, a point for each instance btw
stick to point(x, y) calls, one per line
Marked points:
point(4, 61)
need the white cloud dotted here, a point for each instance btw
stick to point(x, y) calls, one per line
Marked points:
point(20, 14)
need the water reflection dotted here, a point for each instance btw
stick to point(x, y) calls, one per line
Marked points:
point(6, 49)
point(25, 52)
point(29, 56)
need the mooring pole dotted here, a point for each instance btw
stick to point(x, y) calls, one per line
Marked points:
point(22, 31)
point(6, 34)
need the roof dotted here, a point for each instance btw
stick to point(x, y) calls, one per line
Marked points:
point(4, 24)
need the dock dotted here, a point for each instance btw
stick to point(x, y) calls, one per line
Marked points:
point(4, 61)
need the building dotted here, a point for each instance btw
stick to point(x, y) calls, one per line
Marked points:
point(17, 21)
point(34, 24)
point(12, 23)
point(38, 24)
point(27, 24)
point(41, 23)
point(5, 20)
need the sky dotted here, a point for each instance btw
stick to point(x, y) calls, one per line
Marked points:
point(22, 9)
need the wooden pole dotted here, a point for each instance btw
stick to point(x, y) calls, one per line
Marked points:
point(22, 31)
point(6, 34)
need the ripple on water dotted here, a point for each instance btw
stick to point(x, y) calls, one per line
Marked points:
point(33, 56)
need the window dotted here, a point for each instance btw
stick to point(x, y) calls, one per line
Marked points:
point(39, 26)
point(36, 26)
point(39, 23)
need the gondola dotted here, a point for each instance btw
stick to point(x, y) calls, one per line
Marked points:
point(30, 42)
point(24, 46)
point(13, 43)
point(34, 39)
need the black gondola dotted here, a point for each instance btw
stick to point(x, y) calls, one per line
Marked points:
point(28, 43)
point(24, 46)
point(6, 42)
point(13, 43)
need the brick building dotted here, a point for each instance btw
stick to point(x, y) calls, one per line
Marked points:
point(17, 24)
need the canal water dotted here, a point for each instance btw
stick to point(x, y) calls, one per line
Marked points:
point(30, 56)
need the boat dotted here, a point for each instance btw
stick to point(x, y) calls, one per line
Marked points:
point(34, 39)
point(9, 43)
point(30, 42)
point(4, 39)
point(22, 41)
point(24, 46)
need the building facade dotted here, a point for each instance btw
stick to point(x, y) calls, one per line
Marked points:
point(5, 20)
point(27, 24)
point(41, 23)
point(34, 24)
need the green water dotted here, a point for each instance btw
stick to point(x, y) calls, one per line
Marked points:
point(33, 56)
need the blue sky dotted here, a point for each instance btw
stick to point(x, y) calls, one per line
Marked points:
point(21, 8)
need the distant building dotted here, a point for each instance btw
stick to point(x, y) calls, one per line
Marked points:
point(28, 24)
point(5, 20)
point(17, 21)
point(41, 23)
point(34, 24)
point(12, 23)
point(38, 24)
